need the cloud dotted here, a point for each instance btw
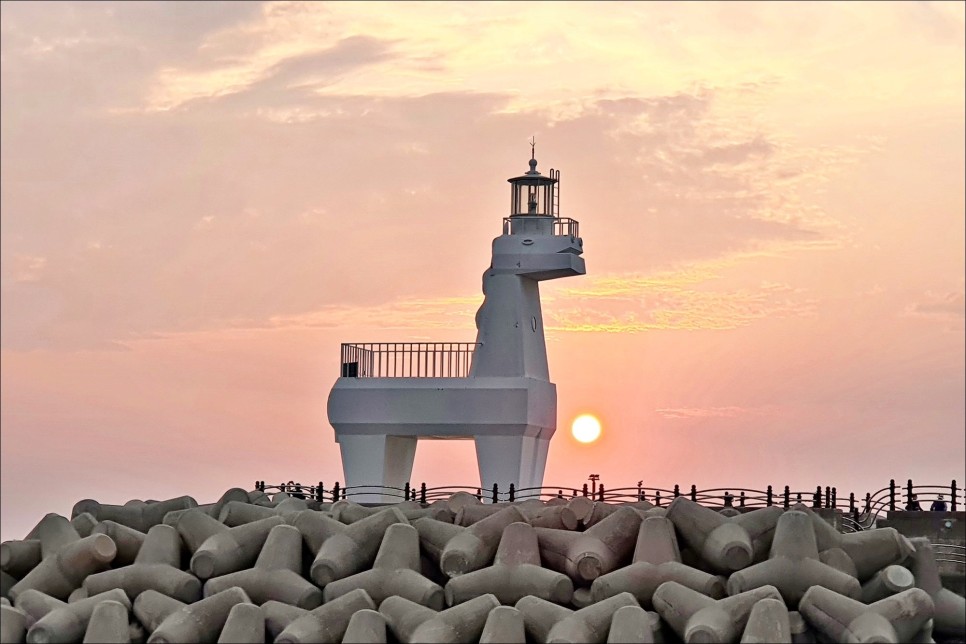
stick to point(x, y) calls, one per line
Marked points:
point(27, 268)
point(947, 307)
point(689, 413)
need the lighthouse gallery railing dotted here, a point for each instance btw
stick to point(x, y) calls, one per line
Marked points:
point(406, 359)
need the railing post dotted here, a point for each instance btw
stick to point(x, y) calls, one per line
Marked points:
point(835, 501)
point(798, 497)
point(677, 490)
point(817, 497)
point(600, 492)
point(335, 492)
point(768, 498)
point(559, 494)
point(953, 489)
point(785, 500)
point(909, 493)
point(855, 517)
point(828, 496)
point(422, 492)
point(479, 494)
point(868, 502)
point(496, 493)
point(319, 492)
point(892, 495)
point(694, 493)
point(851, 501)
point(513, 491)
point(657, 498)
point(406, 489)
point(586, 491)
point(741, 499)
point(640, 492)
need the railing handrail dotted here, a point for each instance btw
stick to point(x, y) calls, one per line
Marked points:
point(857, 513)
point(406, 359)
point(560, 226)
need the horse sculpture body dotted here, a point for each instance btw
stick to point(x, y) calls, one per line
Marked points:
point(506, 402)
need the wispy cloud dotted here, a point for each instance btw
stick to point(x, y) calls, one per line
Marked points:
point(689, 413)
point(949, 307)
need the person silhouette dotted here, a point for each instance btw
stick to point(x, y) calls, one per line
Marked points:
point(939, 505)
point(913, 504)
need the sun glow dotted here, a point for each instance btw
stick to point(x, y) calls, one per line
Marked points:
point(586, 428)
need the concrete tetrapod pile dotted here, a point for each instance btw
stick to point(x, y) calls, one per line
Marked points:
point(254, 568)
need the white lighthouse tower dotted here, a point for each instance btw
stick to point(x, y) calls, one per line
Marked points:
point(496, 391)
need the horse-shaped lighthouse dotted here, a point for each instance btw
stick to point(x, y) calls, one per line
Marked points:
point(496, 391)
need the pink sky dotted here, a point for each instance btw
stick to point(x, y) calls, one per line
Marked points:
point(200, 201)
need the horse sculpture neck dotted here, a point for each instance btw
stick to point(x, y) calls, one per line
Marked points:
point(509, 327)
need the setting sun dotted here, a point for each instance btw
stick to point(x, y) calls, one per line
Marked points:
point(586, 428)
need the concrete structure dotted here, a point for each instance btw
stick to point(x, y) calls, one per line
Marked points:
point(475, 547)
point(170, 621)
point(433, 537)
point(793, 565)
point(504, 625)
point(698, 618)
point(548, 622)
point(584, 556)
point(631, 624)
point(767, 623)
point(498, 553)
point(898, 618)
point(68, 622)
point(496, 391)
point(18, 557)
point(725, 543)
point(196, 527)
point(277, 574)
point(656, 559)
point(35, 604)
point(950, 613)
point(232, 549)
point(411, 622)
point(13, 624)
point(396, 571)
point(140, 516)
point(127, 540)
point(353, 548)
point(869, 550)
point(515, 573)
point(888, 581)
point(245, 625)
point(278, 616)
point(108, 624)
point(366, 627)
point(801, 632)
point(84, 523)
point(157, 566)
point(59, 574)
point(53, 532)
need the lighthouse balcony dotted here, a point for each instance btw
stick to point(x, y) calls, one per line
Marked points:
point(541, 225)
point(407, 359)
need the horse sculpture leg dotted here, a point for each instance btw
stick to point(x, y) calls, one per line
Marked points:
point(377, 460)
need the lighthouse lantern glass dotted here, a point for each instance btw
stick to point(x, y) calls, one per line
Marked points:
point(531, 197)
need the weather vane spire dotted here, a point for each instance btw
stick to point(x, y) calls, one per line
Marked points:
point(533, 146)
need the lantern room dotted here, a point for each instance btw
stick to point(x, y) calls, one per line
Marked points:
point(532, 194)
